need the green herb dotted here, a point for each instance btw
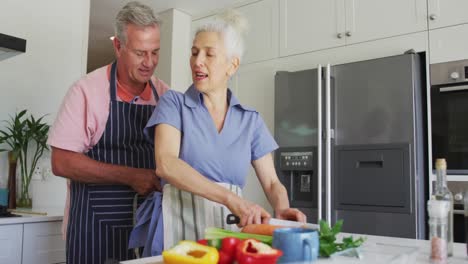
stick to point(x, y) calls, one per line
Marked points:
point(327, 236)
point(214, 233)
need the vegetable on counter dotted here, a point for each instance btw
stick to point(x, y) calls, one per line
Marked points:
point(213, 233)
point(216, 243)
point(260, 229)
point(327, 237)
point(251, 251)
point(226, 248)
point(190, 252)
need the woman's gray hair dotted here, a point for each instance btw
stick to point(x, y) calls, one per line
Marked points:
point(232, 26)
point(134, 13)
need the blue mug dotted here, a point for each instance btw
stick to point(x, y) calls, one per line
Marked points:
point(298, 244)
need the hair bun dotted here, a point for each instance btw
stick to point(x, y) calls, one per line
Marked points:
point(236, 20)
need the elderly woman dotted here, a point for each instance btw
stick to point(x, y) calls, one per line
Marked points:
point(205, 140)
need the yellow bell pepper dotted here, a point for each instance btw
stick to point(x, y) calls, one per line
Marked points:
point(190, 252)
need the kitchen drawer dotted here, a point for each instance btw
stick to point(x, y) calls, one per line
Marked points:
point(43, 243)
point(11, 239)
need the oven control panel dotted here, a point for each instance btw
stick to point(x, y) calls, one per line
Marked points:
point(449, 72)
point(458, 189)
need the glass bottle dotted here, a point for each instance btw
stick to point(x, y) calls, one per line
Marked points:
point(438, 230)
point(442, 193)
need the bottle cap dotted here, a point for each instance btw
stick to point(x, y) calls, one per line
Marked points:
point(438, 208)
point(441, 164)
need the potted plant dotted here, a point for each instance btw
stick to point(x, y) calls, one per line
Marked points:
point(24, 136)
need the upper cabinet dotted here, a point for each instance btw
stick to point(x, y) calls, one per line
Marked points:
point(312, 25)
point(448, 44)
point(375, 19)
point(261, 41)
point(442, 13)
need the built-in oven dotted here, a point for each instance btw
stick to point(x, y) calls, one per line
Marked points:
point(460, 219)
point(449, 115)
point(449, 125)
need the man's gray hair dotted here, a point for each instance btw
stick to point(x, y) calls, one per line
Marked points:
point(134, 13)
point(232, 26)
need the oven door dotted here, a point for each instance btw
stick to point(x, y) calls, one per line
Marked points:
point(449, 111)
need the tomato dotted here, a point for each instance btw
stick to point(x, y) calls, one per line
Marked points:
point(224, 258)
point(229, 244)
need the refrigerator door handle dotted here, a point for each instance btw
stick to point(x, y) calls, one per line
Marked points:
point(328, 145)
point(319, 142)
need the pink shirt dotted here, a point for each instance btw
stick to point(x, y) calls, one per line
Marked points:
point(82, 117)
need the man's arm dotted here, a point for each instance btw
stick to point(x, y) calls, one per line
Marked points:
point(79, 167)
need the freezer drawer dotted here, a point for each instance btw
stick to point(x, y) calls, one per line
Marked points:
point(373, 178)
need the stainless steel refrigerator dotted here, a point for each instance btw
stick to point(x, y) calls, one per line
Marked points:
point(352, 144)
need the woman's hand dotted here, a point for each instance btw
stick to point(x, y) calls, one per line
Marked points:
point(248, 212)
point(291, 214)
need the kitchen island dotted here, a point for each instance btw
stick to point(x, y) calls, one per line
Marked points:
point(376, 249)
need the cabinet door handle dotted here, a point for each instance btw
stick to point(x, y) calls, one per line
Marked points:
point(433, 17)
point(348, 33)
point(339, 35)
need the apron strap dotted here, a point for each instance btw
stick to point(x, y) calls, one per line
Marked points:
point(155, 93)
point(113, 84)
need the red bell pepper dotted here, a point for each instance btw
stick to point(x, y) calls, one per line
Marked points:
point(251, 251)
point(226, 247)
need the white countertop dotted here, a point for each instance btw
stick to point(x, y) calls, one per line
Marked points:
point(45, 215)
point(376, 249)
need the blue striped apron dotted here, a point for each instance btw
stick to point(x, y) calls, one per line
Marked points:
point(101, 215)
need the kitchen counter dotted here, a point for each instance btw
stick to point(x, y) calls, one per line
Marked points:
point(44, 215)
point(376, 249)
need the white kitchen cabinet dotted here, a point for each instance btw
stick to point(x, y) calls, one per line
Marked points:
point(448, 44)
point(313, 25)
point(443, 13)
point(375, 19)
point(262, 39)
point(310, 25)
point(43, 243)
point(11, 239)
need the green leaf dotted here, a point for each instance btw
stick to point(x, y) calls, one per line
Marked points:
point(18, 132)
point(327, 237)
point(324, 228)
point(337, 227)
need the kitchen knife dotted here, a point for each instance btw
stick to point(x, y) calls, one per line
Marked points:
point(234, 219)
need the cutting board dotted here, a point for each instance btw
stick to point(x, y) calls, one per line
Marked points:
point(150, 260)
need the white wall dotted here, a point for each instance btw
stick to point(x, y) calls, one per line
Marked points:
point(57, 34)
point(173, 67)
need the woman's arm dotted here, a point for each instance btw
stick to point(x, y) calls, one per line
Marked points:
point(275, 190)
point(181, 175)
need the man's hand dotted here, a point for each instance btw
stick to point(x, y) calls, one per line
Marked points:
point(146, 182)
